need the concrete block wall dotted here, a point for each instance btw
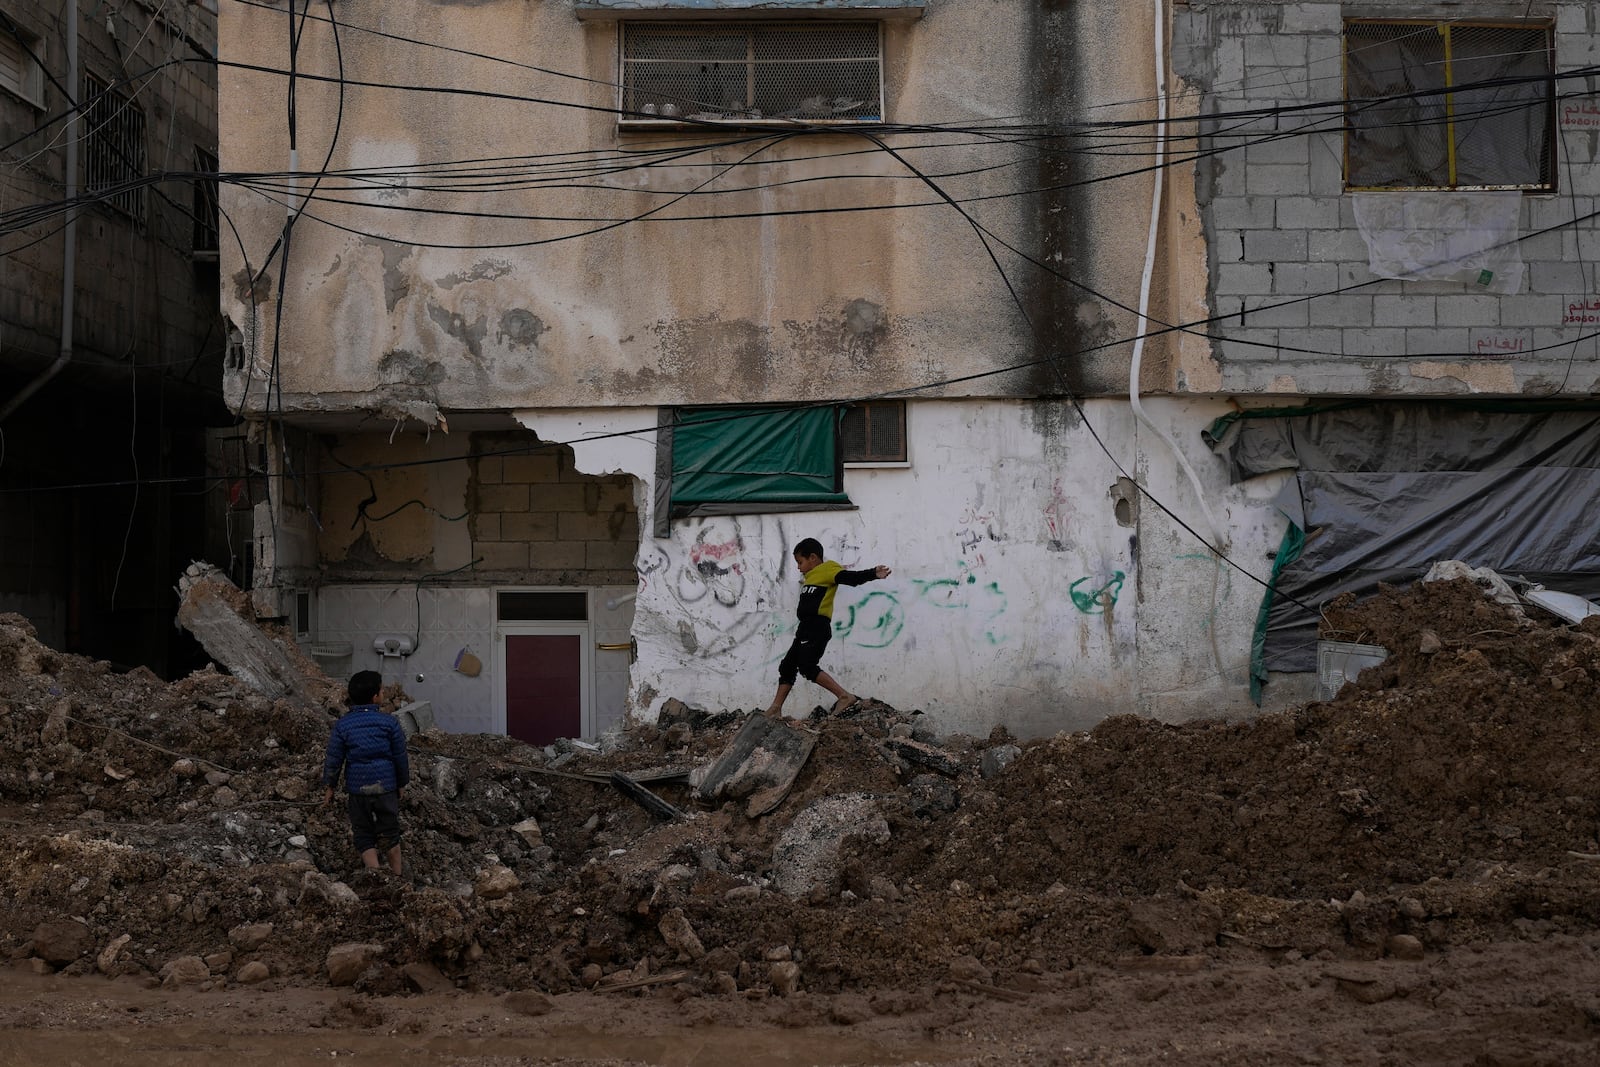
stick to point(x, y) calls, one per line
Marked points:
point(1281, 229)
point(537, 518)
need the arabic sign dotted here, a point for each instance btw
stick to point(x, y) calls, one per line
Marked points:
point(1582, 311)
point(1580, 115)
point(1499, 343)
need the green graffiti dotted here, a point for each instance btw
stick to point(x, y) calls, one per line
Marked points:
point(1097, 601)
point(874, 621)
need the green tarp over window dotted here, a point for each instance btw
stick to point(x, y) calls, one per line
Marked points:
point(720, 461)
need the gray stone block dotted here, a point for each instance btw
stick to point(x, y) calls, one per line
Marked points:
point(1562, 278)
point(1533, 311)
point(1342, 310)
point(1572, 18)
point(1559, 345)
point(1546, 246)
point(1272, 246)
point(1227, 247)
point(1287, 148)
point(1274, 311)
point(1249, 346)
point(1499, 342)
point(1375, 342)
point(1230, 62)
point(1243, 278)
point(1310, 344)
point(1547, 211)
point(1295, 278)
point(1333, 246)
point(1277, 51)
point(1227, 309)
point(1242, 213)
point(1308, 213)
point(1312, 18)
point(1402, 310)
point(1446, 343)
point(1468, 310)
point(1278, 180)
point(1229, 175)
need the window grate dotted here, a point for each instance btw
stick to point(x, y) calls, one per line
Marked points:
point(874, 431)
point(205, 204)
point(750, 72)
point(113, 149)
point(1405, 131)
point(19, 72)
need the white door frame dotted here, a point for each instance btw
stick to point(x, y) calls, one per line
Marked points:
point(581, 630)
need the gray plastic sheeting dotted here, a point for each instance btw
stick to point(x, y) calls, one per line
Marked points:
point(1384, 490)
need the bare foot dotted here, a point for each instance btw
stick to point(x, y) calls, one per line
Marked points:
point(845, 703)
point(773, 713)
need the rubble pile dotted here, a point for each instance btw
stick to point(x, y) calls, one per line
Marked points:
point(177, 831)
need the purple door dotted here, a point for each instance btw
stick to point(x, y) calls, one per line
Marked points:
point(544, 687)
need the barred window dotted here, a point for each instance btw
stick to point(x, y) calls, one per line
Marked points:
point(813, 72)
point(113, 149)
point(205, 204)
point(874, 431)
point(1449, 105)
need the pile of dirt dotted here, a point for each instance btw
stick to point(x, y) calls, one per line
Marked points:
point(1446, 798)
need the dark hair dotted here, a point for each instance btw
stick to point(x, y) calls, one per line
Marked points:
point(364, 686)
point(809, 547)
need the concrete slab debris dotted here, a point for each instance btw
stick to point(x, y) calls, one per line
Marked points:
point(213, 609)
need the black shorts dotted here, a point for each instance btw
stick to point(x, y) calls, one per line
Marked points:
point(803, 658)
point(375, 820)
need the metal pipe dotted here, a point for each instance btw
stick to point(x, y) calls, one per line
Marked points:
point(69, 252)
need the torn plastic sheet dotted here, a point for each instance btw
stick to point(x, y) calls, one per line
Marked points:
point(1443, 236)
point(1387, 489)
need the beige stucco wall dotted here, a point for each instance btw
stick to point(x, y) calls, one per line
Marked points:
point(389, 308)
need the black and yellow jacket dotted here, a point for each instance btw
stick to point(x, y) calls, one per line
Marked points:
point(817, 587)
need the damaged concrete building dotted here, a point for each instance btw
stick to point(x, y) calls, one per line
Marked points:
point(561, 323)
point(110, 339)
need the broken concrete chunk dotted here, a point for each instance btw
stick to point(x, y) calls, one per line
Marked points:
point(969, 969)
point(761, 763)
point(808, 852)
point(679, 935)
point(111, 955)
point(247, 937)
point(923, 755)
point(346, 962)
point(185, 970)
point(997, 759)
point(426, 978)
point(495, 882)
point(59, 943)
point(253, 972)
point(528, 830)
point(210, 608)
point(785, 978)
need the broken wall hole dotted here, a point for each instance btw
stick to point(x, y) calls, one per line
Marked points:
point(1125, 502)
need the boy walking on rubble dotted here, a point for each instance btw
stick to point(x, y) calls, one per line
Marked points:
point(370, 748)
point(819, 579)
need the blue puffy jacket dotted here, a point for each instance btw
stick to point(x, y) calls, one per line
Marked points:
point(371, 749)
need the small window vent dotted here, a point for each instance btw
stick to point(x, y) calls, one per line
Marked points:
point(874, 431)
point(812, 72)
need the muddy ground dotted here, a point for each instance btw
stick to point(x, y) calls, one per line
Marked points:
point(1407, 874)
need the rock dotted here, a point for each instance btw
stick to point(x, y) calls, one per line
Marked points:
point(808, 852)
point(219, 961)
point(673, 711)
point(1032, 966)
point(591, 975)
point(298, 841)
point(60, 942)
point(253, 972)
point(678, 735)
point(724, 983)
point(528, 1002)
point(109, 956)
point(426, 978)
point(291, 788)
point(218, 778)
point(1404, 947)
point(785, 978)
point(1372, 992)
point(224, 797)
point(1411, 908)
point(997, 759)
point(778, 953)
point(881, 888)
point(969, 969)
point(318, 888)
point(448, 777)
point(55, 724)
point(743, 892)
point(923, 755)
point(929, 796)
point(185, 970)
point(1428, 643)
point(900, 729)
point(186, 768)
point(1166, 925)
point(346, 962)
point(37, 966)
point(495, 882)
point(528, 830)
point(679, 935)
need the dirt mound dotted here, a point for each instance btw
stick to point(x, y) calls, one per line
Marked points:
point(1447, 796)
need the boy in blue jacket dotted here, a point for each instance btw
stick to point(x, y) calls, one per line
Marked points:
point(819, 579)
point(370, 747)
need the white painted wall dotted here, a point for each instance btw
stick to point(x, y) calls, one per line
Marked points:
point(1018, 596)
